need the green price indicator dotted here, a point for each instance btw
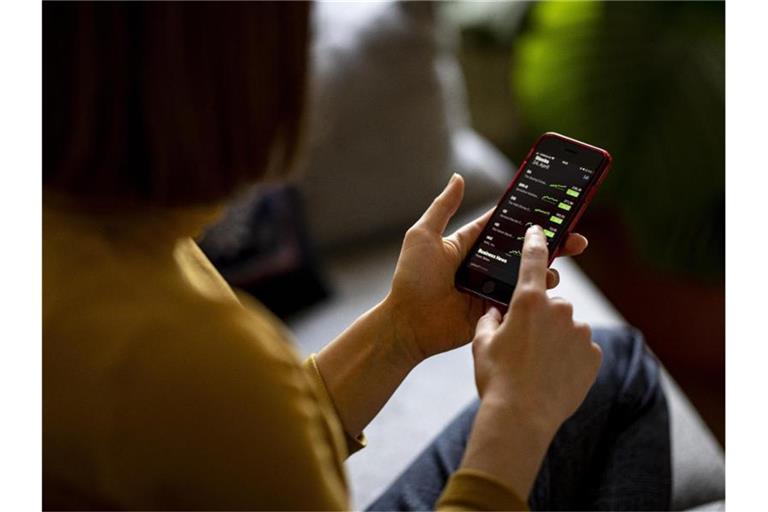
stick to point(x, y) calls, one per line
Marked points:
point(556, 220)
point(549, 199)
point(572, 192)
point(549, 233)
point(564, 206)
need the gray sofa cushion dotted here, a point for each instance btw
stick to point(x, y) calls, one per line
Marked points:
point(698, 462)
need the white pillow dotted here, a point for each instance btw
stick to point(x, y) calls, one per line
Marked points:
point(387, 121)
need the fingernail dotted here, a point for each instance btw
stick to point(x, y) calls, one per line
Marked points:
point(534, 227)
point(453, 178)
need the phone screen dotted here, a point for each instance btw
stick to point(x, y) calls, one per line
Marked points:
point(548, 191)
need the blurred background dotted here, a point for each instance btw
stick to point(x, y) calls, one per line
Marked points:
point(402, 94)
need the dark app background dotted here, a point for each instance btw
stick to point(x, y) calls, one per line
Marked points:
point(548, 192)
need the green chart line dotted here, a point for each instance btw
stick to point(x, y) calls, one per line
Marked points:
point(515, 253)
point(558, 186)
point(549, 199)
point(539, 210)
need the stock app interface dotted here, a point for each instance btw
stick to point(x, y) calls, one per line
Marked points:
point(548, 192)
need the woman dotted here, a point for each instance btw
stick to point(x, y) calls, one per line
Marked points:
point(163, 389)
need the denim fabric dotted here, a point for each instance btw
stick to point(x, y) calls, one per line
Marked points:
point(612, 454)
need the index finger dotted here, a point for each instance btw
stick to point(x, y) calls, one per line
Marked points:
point(533, 263)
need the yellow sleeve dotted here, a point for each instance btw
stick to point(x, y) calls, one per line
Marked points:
point(353, 444)
point(470, 489)
point(211, 415)
point(328, 409)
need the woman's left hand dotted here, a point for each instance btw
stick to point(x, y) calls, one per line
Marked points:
point(428, 313)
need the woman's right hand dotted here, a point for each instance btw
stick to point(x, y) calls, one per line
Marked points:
point(536, 360)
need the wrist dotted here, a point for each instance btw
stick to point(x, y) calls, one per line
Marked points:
point(402, 348)
point(404, 339)
point(508, 444)
point(534, 414)
point(363, 366)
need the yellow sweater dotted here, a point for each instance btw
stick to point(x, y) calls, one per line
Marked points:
point(163, 389)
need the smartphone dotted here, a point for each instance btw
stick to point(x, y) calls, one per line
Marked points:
point(552, 188)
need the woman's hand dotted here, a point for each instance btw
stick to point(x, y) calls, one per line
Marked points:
point(536, 360)
point(533, 369)
point(429, 314)
point(423, 314)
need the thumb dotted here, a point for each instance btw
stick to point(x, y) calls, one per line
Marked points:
point(436, 218)
point(465, 236)
point(488, 324)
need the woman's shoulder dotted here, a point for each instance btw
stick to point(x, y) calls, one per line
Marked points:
point(199, 330)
